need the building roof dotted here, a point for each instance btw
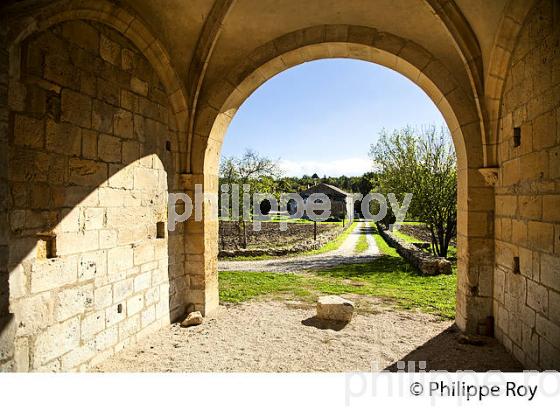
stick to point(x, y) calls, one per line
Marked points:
point(325, 188)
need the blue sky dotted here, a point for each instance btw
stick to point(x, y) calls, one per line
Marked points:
point(322, 116)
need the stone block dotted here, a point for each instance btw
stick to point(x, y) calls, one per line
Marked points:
point(72, 301)
point(121, 177)
point(120, 258)
point(56, 340)
point(94, 218)
point(59, 71)
point(129, 327)
point(107, 338)
point(109, 148)
point(89, 144)
point(123, 124)
point(550, 271)
point(143, 253)
point(544, 131)
point(127, 59)
point(28, 131)
point(134, 305)
point(130, 152)
point(76, 108)
point(77, 242)
point(33, 313)
point(139, 86)
point(108, 91)
point(145, 179)
point(103, 297)
point(549, 330)
point(129, 101)
point(142, 282)
point(193, 319)
point(122, 290)
point(551, 208)
point(82, 34)
point(537, 297)
point(21, 354)
point(112, 198)
point(18, 282)
point(554, 306)
point(92, 324)
point(148, 316)
point(102, 116)
point(107, 239)
point(78, 356)
point(541, 236)
point(86, 172)
point(152, 296)
point(109, 50)
point(334, 308)
point(53, 273)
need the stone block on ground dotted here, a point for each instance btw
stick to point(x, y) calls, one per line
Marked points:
point(193, 319)
point(334, 308)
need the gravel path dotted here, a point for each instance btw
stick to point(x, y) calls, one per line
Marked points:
point(276, 336)
point(343, 255)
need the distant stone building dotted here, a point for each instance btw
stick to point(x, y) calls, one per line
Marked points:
point(341, 202)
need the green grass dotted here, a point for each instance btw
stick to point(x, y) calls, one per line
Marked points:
point(362, 243)
point(383, 247)
point(405, 237)
point(388, 277)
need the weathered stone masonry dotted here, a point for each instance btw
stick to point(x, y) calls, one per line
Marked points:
point(92, 149)
point(527, 274)
point(106, 106)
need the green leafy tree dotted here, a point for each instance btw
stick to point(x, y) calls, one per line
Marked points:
point(424, 164)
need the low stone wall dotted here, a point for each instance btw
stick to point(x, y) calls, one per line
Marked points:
point(273, 241)
point(427, 264)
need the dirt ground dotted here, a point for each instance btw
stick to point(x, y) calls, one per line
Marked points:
point(283, 336)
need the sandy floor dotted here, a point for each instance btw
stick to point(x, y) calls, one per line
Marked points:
point(343, 255)
point(280, 336)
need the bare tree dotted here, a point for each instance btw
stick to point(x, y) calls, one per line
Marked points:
point(250, 169)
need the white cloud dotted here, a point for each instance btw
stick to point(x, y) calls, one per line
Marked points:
point(348, 166)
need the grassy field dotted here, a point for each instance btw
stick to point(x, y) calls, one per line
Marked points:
point(388, 277)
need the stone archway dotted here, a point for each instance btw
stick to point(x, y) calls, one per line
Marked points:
point(458, 106)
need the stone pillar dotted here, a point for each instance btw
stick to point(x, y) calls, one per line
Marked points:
point(201, 244)
point(475, 246)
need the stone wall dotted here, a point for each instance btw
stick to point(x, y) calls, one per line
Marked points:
point(96, 149)
point(527, 273)
point(426, 263)
point(7, 324)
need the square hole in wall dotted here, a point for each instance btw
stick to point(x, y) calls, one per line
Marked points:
point(516, 268)
point(119, 308)
point(160, 230)
point(46, 246)
point(516, 136)
point(168, 145)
